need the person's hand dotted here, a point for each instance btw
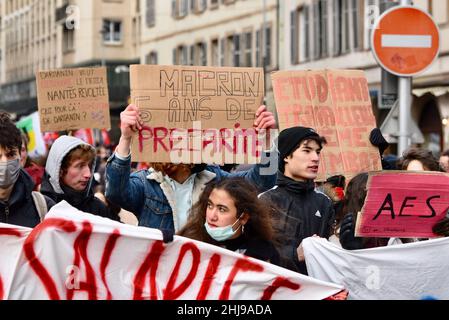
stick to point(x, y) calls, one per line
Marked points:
point(347, 238)
point(264, 119)
point(130, 121)
point(441, 228)
point(300, 250)
point(377, 139)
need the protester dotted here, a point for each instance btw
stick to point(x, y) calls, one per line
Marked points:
point(229, 214)
point(17, 200)
point(299, 210)
point(444, 161)
point(35, 171)
point(416, 159)
point(68, 176)
point(353, 203)
point(334, 188)
point(163, 196)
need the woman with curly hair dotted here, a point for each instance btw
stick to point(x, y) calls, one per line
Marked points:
point(229, 214)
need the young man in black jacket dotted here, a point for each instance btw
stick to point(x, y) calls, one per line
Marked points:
point(16, 185)
point(299, 210)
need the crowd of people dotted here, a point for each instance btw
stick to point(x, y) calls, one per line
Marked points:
point(264, 216)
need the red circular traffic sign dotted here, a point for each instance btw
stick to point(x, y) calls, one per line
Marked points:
point(405, 41)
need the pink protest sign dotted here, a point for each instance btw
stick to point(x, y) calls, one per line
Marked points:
point(403, 204)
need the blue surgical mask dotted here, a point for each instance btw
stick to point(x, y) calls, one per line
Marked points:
point(222, 233)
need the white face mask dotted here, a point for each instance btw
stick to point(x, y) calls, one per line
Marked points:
point(222, 233)
point(9, 172)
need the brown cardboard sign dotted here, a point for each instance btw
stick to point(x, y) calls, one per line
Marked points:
point(336, 103)
point(196, 114)
point(70, 99)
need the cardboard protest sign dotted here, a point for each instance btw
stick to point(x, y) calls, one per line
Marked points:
point(74, 255)
point(336, 103)
point(403, 204)
point(70, 99)
point(399, 272)
point(197, 114)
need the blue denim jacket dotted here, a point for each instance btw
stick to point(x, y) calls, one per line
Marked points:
point(145, 197)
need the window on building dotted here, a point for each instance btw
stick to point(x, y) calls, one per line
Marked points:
point(237, 51)
point(68, 39)
point(337, 27)
point(294, 37)
point(258, 49)
point(356, 25)
point(213, 4)
point(304, 34)
point(215, 53)
point(151, 58)
point(320, 18)
point(183, 55)
point(229, 51)
point(202, 53)
point(248, 49)
point(180, 8)
point(192, 56)
point(112, 31)
point(223, 52)
point(267, 49)
point(346, 40)
point(151, 13)
point(198, 6)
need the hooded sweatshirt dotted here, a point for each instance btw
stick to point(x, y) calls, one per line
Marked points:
point(53, 187)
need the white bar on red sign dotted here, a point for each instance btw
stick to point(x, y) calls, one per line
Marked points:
point(406, 41)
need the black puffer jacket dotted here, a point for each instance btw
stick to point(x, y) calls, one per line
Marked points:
point(298, 212)
point(20, 209)
point(84, 201)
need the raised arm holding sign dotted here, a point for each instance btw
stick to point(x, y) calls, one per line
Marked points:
point(163, 196)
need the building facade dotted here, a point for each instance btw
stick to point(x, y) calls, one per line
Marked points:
point(49, 34)
point(212, 33)
point(318, 34)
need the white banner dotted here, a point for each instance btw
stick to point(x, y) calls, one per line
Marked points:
point(74, 255)
point(407, 271)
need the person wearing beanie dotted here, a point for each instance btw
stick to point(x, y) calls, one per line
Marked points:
point(299, 210)
point(69, 176)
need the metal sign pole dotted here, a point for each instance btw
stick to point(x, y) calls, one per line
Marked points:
point(405, 102)
point(405, 105)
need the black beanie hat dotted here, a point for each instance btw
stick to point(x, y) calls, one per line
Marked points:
point(289, 139)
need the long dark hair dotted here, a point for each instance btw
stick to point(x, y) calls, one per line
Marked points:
point(245, 199)
point(355, 194)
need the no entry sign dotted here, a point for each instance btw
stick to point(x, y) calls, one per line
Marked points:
point(405, 41)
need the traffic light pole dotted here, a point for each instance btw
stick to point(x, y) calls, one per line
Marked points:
point(405, 106)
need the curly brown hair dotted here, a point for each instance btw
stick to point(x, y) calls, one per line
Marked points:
point(245, 199)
